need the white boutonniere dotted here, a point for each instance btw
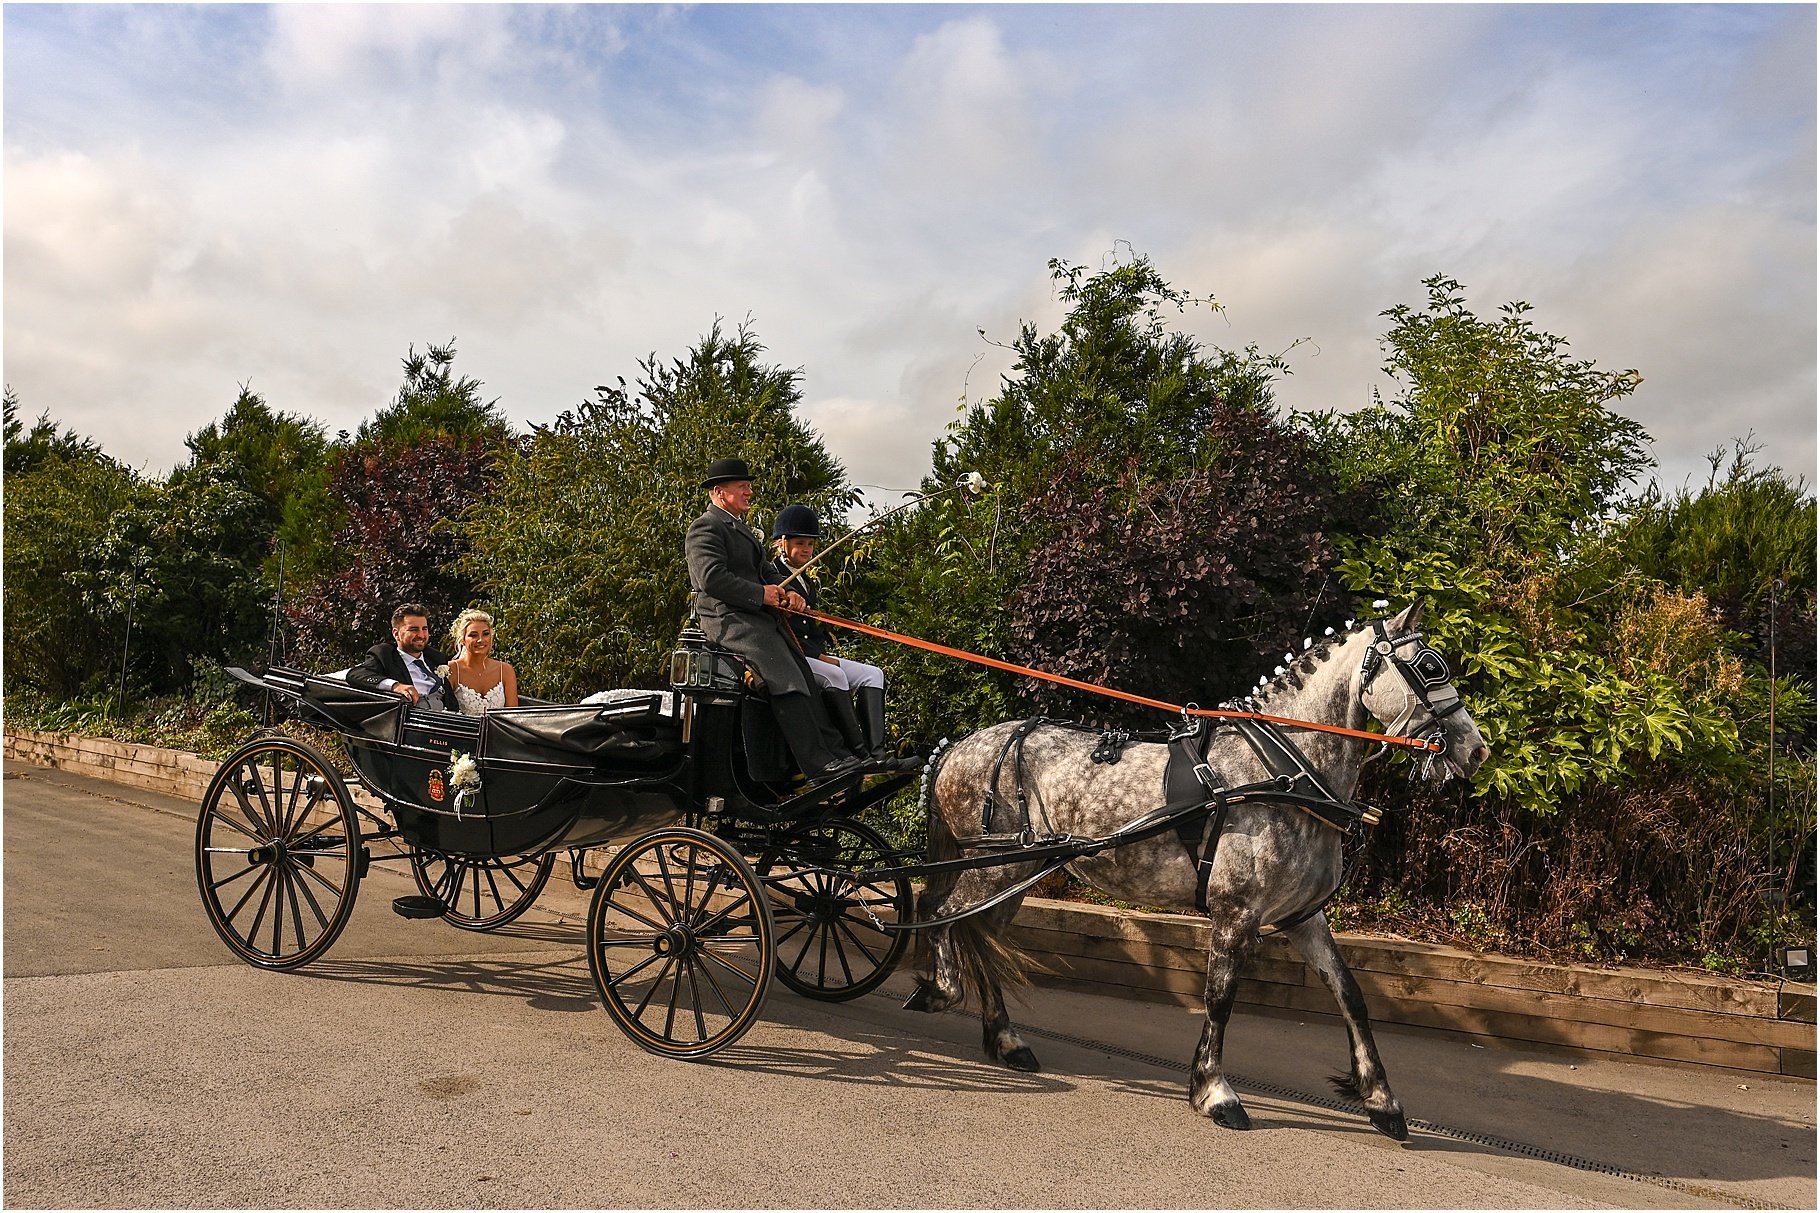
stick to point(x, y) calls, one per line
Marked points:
point(442, 671)
point(464, 777)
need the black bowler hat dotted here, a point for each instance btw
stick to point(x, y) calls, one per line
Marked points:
point(723, 470)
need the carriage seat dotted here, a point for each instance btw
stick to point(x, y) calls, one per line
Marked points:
point(630, 730)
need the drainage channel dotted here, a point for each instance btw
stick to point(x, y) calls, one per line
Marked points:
point(1522, 1149)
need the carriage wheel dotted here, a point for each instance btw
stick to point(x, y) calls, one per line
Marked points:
point(679, 942)
point(831, 943)
point(481, 894)
point(278, 853)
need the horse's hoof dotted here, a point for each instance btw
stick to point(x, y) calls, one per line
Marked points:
point(1390, 1124)
point(1021, 1058)
point(922, 998)
point(1231, 1115)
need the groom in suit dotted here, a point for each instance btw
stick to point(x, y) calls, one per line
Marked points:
point(406, 666)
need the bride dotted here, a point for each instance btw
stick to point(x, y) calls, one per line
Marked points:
point(480, 682)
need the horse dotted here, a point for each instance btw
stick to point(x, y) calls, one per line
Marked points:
point(1274, 864)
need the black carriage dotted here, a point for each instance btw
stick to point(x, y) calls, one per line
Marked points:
point(721, 871)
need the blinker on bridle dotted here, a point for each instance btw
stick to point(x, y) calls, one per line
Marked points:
point(1426, 675)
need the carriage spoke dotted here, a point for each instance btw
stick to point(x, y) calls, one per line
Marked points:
point(261, 827)
point(723, 962)
point(638, 968)
point(261, 883)
point(328, 885)
point(632, 913)
point(719, 992)
point(701, 1023)
point(315, 906)
point(277, 911)
point(658, 901)
point(669, 963)
point(846, 928)
point(231, 877)
point(294, 885)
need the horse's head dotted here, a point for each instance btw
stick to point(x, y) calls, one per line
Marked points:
point(1407, 687)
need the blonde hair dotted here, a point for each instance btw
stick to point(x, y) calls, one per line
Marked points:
point(464, 619)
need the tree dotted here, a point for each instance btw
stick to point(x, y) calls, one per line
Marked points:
point(579, 548)
point(61, 494)
point(1732, 541)
point(433, 401)
point(182, 560)
point(397, 491)
point(1113, 413)
point(1615, 813)
point(28, 450)
point(1181, 589)
point(1500, 446)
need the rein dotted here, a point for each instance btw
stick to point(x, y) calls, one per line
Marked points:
point(1414, 743)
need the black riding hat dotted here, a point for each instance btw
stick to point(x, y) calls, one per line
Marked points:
point(796, 522)
point(723, 470)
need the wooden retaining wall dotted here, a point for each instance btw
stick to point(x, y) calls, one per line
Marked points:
point(1660, 1015)
point(1663, 1015)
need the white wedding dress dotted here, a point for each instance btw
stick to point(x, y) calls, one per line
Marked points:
point(473, 703)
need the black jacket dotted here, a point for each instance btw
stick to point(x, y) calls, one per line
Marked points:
point(812, 634)
point(383, 661)
point(728, 572)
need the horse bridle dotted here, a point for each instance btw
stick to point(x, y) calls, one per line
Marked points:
point(1426, 675)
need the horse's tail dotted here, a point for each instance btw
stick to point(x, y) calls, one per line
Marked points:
point(983, 958)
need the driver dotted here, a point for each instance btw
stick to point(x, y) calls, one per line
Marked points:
point(733, 598)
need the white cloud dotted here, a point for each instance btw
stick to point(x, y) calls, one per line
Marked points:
point(567, 190)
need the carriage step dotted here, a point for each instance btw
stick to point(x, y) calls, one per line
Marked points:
point(418, 907)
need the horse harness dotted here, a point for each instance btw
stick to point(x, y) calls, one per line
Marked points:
point(1195, 802)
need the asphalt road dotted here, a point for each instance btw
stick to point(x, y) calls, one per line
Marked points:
point(420, 1066)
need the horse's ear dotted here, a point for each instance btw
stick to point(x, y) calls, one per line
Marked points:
point(1409, 620)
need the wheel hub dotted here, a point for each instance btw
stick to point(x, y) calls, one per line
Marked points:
point(676, 941)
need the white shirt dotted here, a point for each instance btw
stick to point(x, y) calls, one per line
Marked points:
point(425, 683)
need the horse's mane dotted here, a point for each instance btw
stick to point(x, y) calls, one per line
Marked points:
point(1289, 677)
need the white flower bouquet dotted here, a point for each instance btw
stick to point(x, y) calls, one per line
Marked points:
point(464, 777)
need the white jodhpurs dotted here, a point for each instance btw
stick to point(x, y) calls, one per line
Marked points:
point(846, 676)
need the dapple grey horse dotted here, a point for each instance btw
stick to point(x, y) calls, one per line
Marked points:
point(1274, 863)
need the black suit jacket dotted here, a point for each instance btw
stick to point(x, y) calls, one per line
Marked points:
point(728, 571)
point(383, 661)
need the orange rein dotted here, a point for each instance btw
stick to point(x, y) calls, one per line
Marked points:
point(882, 634)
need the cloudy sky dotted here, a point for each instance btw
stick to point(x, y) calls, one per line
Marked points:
point(289, 197)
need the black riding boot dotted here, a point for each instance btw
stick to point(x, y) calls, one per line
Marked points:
point(872, 717)
point(872, 720)
point(802, 730)
point(840, 708)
